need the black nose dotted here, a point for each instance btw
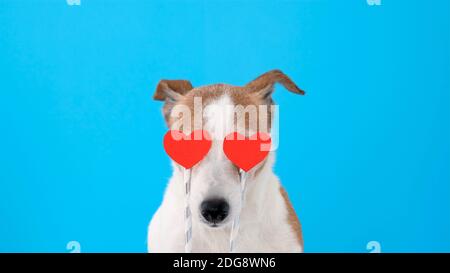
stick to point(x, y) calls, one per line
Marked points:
point(214, 210)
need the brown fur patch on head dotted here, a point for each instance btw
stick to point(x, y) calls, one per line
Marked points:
point(207, 94)
point(257, 92)
point(292, 218)
point(243, 97)
point(240, 97)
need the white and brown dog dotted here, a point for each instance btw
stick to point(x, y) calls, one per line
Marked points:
point(268, 221)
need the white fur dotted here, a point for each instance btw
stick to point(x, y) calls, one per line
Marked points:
point(263, 227)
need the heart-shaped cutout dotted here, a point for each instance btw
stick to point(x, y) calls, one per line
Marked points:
point(187, 150)
point(244, 152)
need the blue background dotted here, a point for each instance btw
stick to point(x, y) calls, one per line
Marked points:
point(365, 155)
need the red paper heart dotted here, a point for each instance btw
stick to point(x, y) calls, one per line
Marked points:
point(187, 150)
point(246, 153)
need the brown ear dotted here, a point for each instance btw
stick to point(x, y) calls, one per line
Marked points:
point(171, 89)
point(264, 84)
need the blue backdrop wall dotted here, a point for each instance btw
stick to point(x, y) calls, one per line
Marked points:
point(80, 138)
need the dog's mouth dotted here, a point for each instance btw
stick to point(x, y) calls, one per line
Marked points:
point(214, 224)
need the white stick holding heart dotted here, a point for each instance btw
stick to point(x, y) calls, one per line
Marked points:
point(236, 221)
point(187, 212)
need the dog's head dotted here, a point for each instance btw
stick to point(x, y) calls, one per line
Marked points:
point(220, 109)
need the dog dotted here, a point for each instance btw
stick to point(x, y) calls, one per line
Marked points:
point(268, 222)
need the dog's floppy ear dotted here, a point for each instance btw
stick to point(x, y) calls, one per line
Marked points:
point(263, 86)
point(171, 91)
